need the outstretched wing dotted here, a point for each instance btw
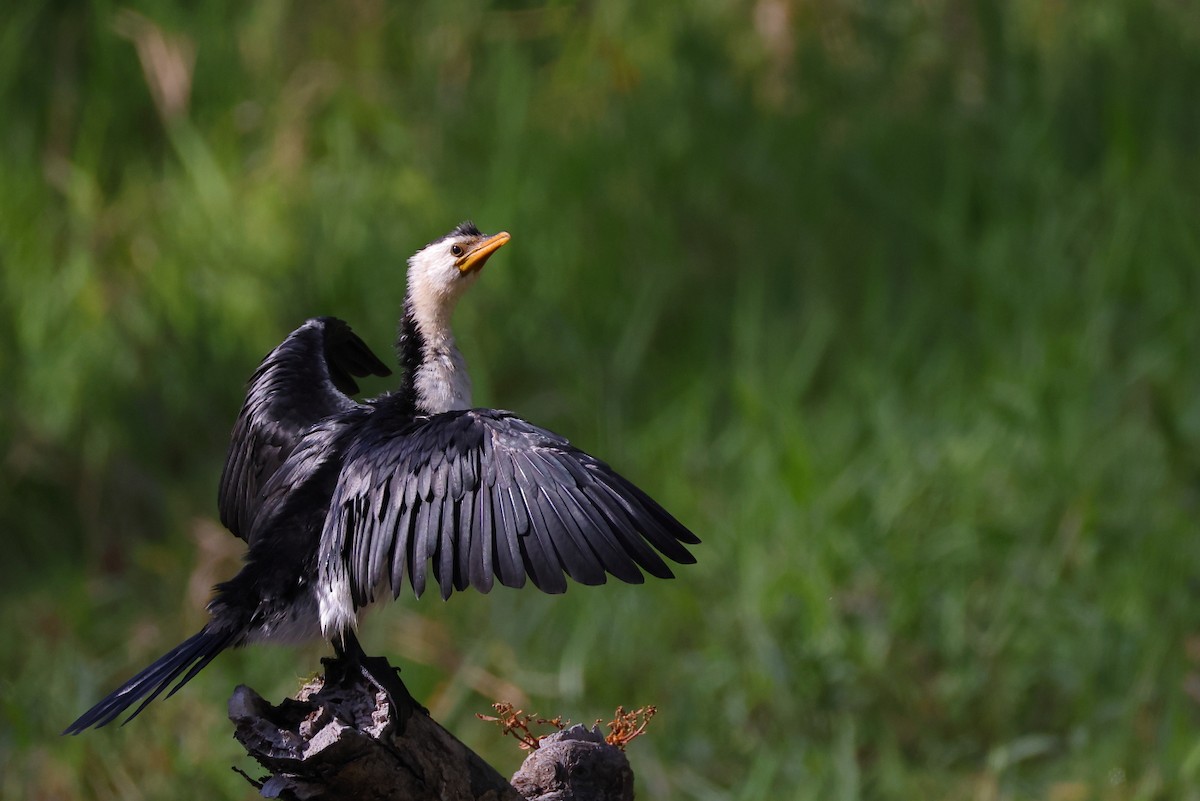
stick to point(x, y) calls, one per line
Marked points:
point(483, 495)
point(309, 377)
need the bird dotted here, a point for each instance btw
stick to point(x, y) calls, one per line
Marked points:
point(342, 501)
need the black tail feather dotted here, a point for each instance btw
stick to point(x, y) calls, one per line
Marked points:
point(195, 652)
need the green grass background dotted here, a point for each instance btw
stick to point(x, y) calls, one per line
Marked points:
point(895, 304)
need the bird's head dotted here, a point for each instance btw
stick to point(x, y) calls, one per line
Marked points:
point(439, 272)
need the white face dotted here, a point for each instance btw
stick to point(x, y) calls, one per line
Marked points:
point(441, 271)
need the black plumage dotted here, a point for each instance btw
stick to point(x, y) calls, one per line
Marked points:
point(340, 502)
point(418, 493)
point(309, 377)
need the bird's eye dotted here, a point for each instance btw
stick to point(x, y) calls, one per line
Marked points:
point(456, 250)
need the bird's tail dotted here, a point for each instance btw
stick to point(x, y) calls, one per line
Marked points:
point(190, 655)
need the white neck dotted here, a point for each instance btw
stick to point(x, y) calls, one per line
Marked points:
point(441, 380)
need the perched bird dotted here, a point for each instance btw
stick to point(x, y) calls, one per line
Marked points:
point(340, 502)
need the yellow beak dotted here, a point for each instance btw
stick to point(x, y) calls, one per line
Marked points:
point(478, 255)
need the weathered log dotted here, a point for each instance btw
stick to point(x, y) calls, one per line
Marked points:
point(345, 738)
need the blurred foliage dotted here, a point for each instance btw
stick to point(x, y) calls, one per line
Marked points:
point(893, 303)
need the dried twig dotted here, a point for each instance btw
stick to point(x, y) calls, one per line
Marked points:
point(627, 726)
point(515, 722)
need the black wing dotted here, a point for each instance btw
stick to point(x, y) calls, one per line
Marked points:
point(485, 495)
point(309, 377)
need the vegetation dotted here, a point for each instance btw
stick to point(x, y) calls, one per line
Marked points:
point(893, 303)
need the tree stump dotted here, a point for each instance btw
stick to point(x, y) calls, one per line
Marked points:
point(345, 738)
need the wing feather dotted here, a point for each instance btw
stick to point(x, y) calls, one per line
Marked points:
point(362, 546)
point(575, 556)
point(481, 496)
point(420, 550)
point(400, 549)
point(655, 523)
point(447, 545)
point(424, 481)
point(627, 533)
point(607, 547)
point(383, 546)
point(467, 551)
point(307, 378)
point(541, 559)
point(509, 567)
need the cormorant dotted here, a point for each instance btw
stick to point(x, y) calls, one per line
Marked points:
point(340, 501)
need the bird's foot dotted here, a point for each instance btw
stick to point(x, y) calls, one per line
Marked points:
point(386, 677)
point(351, 662)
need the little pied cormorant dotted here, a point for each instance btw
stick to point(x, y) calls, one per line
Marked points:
point(341, 501)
